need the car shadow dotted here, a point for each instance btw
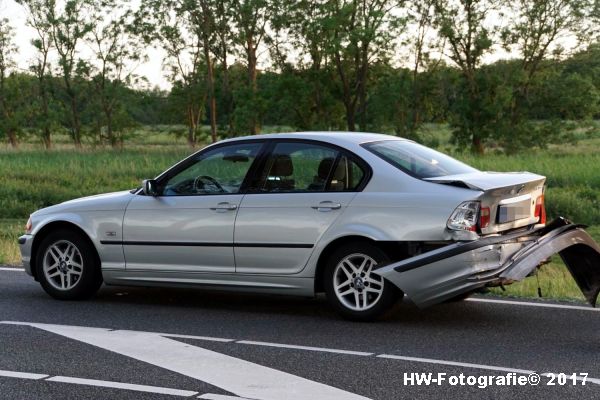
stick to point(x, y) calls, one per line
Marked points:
point(317, 307)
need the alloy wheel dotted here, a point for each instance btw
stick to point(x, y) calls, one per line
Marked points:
point(355, 284)
point(63, 265)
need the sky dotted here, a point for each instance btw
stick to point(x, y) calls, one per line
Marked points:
point(17, 16)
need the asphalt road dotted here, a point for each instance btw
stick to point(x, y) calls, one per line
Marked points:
point(130, 343)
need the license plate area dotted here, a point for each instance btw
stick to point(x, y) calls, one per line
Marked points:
point(514, 209)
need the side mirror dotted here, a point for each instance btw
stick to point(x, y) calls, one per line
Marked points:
point(150, 187)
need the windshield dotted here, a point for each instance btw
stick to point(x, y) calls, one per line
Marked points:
point(417, 160)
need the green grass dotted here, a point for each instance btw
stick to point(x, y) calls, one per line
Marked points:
point(10, 230)
point(31, 178)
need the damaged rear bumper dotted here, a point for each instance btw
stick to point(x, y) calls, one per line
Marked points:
point(447, 272)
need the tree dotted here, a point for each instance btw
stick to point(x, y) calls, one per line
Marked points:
point(117, 53)
point(68, 28)
point(462, 24)
point(42, 42)
point(422, 44)
point(7, 51)
point(169, 24)
point(360, 32)
point(535, 32)
point(251, 18)
point(205, 24)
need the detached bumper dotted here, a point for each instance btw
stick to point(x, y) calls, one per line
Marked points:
point(442, 274)
point(25, 243)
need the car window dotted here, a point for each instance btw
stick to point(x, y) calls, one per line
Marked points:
point(306, 167)
point(417, 160)
point(218, 171)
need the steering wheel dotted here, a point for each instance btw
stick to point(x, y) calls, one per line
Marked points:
point(211, 181)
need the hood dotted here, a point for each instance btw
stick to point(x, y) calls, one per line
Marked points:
point(484, 181)
point(99, 202)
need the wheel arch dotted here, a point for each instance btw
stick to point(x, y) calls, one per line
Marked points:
point(394, 250)
point(50, 227)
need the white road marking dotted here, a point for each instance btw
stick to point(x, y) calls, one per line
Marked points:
point(207, 338)
point(240, 377)
point(22, 375)
point(533, 304)
point(120, 385)
point(291, 346)
point(455, 363)
point(12, 269)
point(209, 396)
point(223, 362)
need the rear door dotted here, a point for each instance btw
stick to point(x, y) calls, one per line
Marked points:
point(298, 192)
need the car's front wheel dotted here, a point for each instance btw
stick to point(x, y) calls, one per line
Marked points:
point(67, 266)
point(351, 286)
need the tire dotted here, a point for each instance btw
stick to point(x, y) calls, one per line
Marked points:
point(61, 256)
point(343, 271)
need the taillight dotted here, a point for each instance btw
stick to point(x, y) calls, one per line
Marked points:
point(484, 217)
point(540, 210)
point(464, 217)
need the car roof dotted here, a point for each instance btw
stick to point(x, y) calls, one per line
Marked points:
point(334, 137)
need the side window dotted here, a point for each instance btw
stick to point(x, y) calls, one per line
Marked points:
point(347, 176)
point(306, 167)
point(218, 171)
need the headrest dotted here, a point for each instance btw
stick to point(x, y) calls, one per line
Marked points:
point(282, 166)
point(324, 167)
point(340, 172)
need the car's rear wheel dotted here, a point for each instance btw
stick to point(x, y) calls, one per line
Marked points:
point(67, 266)
point(351, 286)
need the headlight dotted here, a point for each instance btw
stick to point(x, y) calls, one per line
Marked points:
point(464, 218)
point(28, 226)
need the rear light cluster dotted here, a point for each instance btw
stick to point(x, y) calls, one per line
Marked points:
point(484, 217)
point(465, 216)
point(540, 210)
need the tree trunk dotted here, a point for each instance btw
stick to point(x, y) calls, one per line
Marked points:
point(76, 128)
point(477, 145)
point(12, 138)
point(191, 139)
point(362, 108)
point(350, 117)
point(109, 131)
point(210, 78)
point(46, 138)
point(46, 134)
point(251, 51)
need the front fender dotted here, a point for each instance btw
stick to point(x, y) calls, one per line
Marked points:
point(97, 225)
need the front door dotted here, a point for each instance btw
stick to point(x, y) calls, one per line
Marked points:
point(189, 226)
point(299, 191)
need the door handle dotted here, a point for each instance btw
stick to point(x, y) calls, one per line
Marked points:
point(327, 206)
point(224, 206)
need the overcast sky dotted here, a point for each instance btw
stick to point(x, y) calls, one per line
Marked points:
point(17, 16)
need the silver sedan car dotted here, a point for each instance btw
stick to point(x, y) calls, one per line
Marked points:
point(366, 218)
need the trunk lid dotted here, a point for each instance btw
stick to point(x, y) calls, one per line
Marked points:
point(510, 196)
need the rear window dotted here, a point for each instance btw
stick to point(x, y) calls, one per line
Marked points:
point(417, 160)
